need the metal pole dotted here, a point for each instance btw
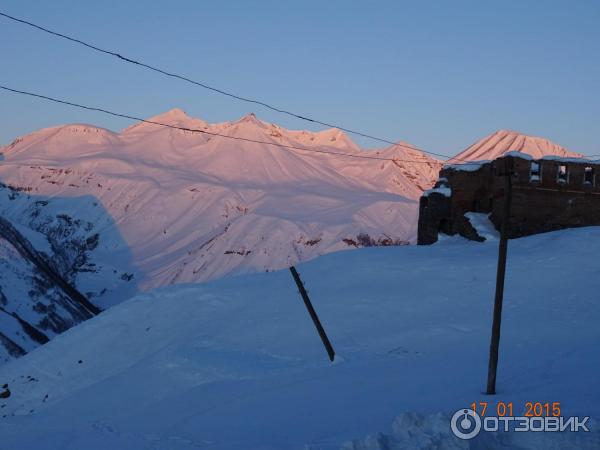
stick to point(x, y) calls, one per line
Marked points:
point(500, 275)
point(313, 313)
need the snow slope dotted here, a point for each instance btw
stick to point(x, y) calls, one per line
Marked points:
point(236, 363)
point(194, 207)
point(504, 141)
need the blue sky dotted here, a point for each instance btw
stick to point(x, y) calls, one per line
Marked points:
point(440, 75)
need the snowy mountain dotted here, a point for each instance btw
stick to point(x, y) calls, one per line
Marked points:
point(237, 363)
point(504, 141)
point(192, 207)
point(114, 213)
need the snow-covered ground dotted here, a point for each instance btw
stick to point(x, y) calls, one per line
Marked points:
point(236, 363)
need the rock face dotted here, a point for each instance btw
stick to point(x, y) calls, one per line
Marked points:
point(547, 194)
point(28, 252)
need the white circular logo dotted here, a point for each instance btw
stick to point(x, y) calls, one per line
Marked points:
point(465, 424)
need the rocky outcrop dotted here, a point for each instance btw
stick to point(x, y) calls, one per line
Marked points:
point(78, 302)
point(58, 267)
point(63, 307)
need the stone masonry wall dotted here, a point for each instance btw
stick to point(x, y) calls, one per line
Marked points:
point(541, 201)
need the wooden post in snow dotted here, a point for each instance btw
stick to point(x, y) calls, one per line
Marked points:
point(313, 314)
point(500, 275)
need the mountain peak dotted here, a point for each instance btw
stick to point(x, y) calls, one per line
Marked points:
point(505, 131)
point(503, 141)
point(250, 118)
point(174, 114)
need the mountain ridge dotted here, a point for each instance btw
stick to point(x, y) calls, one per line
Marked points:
point(193, 206)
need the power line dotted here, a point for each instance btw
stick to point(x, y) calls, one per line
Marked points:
point(211, 88)
point(232, 95)
point(196, 130)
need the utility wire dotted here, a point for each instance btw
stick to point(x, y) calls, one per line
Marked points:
point(229, 94)
point(214, 89)
point(196, 130)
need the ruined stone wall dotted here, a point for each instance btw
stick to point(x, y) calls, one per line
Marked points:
point(542, 200)
point(550, 204)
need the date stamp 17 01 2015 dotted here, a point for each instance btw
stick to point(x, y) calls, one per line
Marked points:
point(500, 416)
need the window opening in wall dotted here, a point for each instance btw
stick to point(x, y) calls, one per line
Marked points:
point(563, 173)
point(588, 176)
point(535, 172)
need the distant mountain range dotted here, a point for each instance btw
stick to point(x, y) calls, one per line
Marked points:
point(164, 206)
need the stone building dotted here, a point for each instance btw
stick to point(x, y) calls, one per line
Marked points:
point(547, 194)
